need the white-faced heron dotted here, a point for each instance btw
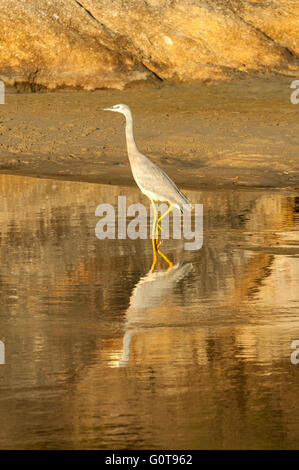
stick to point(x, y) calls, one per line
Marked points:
point(151, 180)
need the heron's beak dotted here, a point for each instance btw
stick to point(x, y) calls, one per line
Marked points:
point(105, 109)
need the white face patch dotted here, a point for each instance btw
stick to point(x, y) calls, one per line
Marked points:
point(118, 108)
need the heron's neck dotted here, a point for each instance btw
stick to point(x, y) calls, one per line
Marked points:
point(131, 145)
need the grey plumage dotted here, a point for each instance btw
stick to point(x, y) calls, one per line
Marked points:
point(151, 180)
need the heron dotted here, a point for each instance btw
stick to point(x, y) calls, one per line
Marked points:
point(151, 180)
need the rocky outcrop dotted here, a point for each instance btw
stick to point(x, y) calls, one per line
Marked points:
point(117, 43)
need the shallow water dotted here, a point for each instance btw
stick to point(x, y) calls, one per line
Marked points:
point(102, 353)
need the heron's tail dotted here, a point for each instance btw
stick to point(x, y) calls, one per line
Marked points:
point(185, 203)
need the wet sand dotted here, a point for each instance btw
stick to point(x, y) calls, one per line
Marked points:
point(238, 134)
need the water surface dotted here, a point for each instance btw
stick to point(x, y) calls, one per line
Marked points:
point(102, 353)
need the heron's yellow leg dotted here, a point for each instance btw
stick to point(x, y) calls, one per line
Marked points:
point(163, 215)
point(170, 263)
point(159, 220)
point(154, 233)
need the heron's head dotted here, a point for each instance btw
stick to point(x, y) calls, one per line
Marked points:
point(118, 108)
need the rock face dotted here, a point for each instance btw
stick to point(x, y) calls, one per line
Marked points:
point(117, 43)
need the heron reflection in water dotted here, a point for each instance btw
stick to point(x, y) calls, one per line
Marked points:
point(149, 292)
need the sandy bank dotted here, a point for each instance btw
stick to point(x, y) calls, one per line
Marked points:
point(242, 134)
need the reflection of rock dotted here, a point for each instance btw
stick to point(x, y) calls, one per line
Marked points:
point(94, 44)
point(149, 292)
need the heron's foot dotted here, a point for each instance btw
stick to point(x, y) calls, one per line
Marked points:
point(170, 263)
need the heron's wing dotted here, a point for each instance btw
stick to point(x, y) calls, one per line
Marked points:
point(154, 179)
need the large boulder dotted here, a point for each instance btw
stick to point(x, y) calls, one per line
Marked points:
point(116, 43)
